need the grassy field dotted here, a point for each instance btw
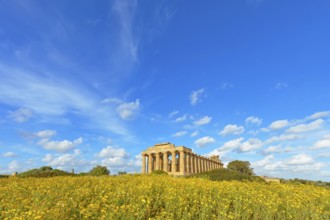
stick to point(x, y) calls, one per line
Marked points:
point(158, 197)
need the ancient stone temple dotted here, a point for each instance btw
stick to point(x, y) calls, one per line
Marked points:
point(177, 161)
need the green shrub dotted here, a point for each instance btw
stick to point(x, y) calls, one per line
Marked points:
point(226, 174)
point(4, 176)
point(99, 171)
point(44, 172)
point(122, 173)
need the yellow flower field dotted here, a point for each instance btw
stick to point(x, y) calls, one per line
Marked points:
point(158, 197)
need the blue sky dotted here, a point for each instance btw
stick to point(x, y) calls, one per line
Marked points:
point(86, 83)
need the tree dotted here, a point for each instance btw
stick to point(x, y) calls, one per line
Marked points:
point(99, 171)
point(241, 166)
point(122, 173)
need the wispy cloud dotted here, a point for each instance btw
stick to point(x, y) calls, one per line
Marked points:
point(125, 56)
point(180, 134)
point(317, 115)
point(281, 85)
point(253, 120)
point(196, 96)
point(172, 114)
point(203, 121)
point(194, 134)
point(9, 154)
point(300, 128)
point(21, 115)
point(323, 143)
point(128, 110)
point(60, 146)
point(279, 124)
point(226, 86)
point(202, 142)
point(46, 95)
point(299, 163)
point(182, 118)
point(232, 129)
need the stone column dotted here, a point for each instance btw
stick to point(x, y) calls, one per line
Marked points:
point(165, 158)
point(188, 165)
point(197, 163)
point(204, 165)
point(143, 163)
point(182, 160)
point(149, 163)
point(173, 162)
point(192, 159)
point(157, 161)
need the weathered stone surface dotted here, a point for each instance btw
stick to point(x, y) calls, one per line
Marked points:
point(185, 162)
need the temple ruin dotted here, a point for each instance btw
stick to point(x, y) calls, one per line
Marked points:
point(177, 161)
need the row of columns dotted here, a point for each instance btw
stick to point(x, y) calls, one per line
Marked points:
point(185, 163)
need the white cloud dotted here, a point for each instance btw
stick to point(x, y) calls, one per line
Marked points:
point(319, 115)
point(125, 110)
point(172, 114)
point(182, 118)
point(232, 129)
point(300, 164)
point(300, 159)
point(276, 125)
point(21, 115)
point(111, 101)
point(273, 149)
point(50, 96)
point(233, 144)
point(195, 96)
point(60, 146)
point(66, 161)
point(253, 120)
point(250, 145)
point(126, 47)
point(111, 152)
point(201, 142)
point(283, 137)
point(128, 110)
point(226, 85)
point(14, 166)
point(263, 162)
point(194, 134)
point(203, 121)
point(228, 146)
point(281, 85)
point(180, 134)
point(45, 134)
point(315, 125)
point(323, 143)
point(118, 159)
point(9, 154)
point(239, 146)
